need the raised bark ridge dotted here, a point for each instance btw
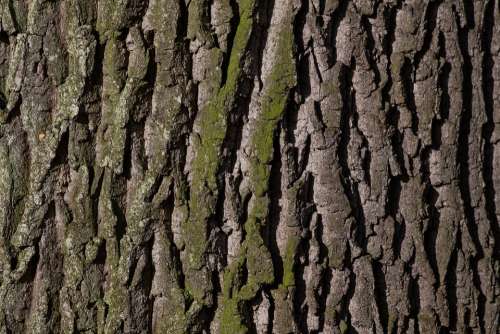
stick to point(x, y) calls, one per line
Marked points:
point(234, 166)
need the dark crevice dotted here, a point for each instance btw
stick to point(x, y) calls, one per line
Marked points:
point(413, 298)
point(32, 265)
point(322, 295)
point(380, 293)
point(152, 70)
point(305, 202)
point(431, 228)
point(399, 236)
point(101, 255)
point(303, 81)
point(345, 133)
point(451, 286)
point(61, 154)
point(429, 25)
point(182, 22)
point(370, 48)
point(463, 154)
point(444, 104)
point(393, 196)
point(233, 24)
point(488, 149)
point(390, 15)
point(118, 206)
point(332, 29)
point(345, 314)
point(149, 274)
point(349, 115)
point(275, 194)
point(407, 80)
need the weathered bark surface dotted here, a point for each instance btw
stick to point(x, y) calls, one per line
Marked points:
point(262, 166)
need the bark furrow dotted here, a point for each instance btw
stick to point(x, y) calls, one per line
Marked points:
point(249, 166)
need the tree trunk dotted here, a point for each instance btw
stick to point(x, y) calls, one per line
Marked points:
point(260, 166)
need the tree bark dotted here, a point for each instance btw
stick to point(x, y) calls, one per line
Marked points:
point(249, 166)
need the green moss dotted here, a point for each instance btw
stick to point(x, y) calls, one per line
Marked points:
point(199, 21)
point(111, 135)
point(397, 63)
point(336, 252)
point(259, 174)
point(232, 276)
point(18, 14)
point(172, 320)
point(331, 313)
point(392, 322)
point(254, 254)
point(213, 119)
point(116, 299)
point(289, 262)
point(426, 319)
point(5, 182)
point(212, 133)
point(110, 18)
point(81, 48)
point(231, 321)
point(344, 327)
point(281, 79)
point(257, 260)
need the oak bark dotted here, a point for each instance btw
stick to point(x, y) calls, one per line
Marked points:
point(260, 166)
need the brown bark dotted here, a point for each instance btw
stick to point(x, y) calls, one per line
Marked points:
point(261, 166)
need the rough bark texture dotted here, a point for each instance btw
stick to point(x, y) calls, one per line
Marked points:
point(262, 166)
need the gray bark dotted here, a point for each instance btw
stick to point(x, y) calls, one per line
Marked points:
point(260, 166)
